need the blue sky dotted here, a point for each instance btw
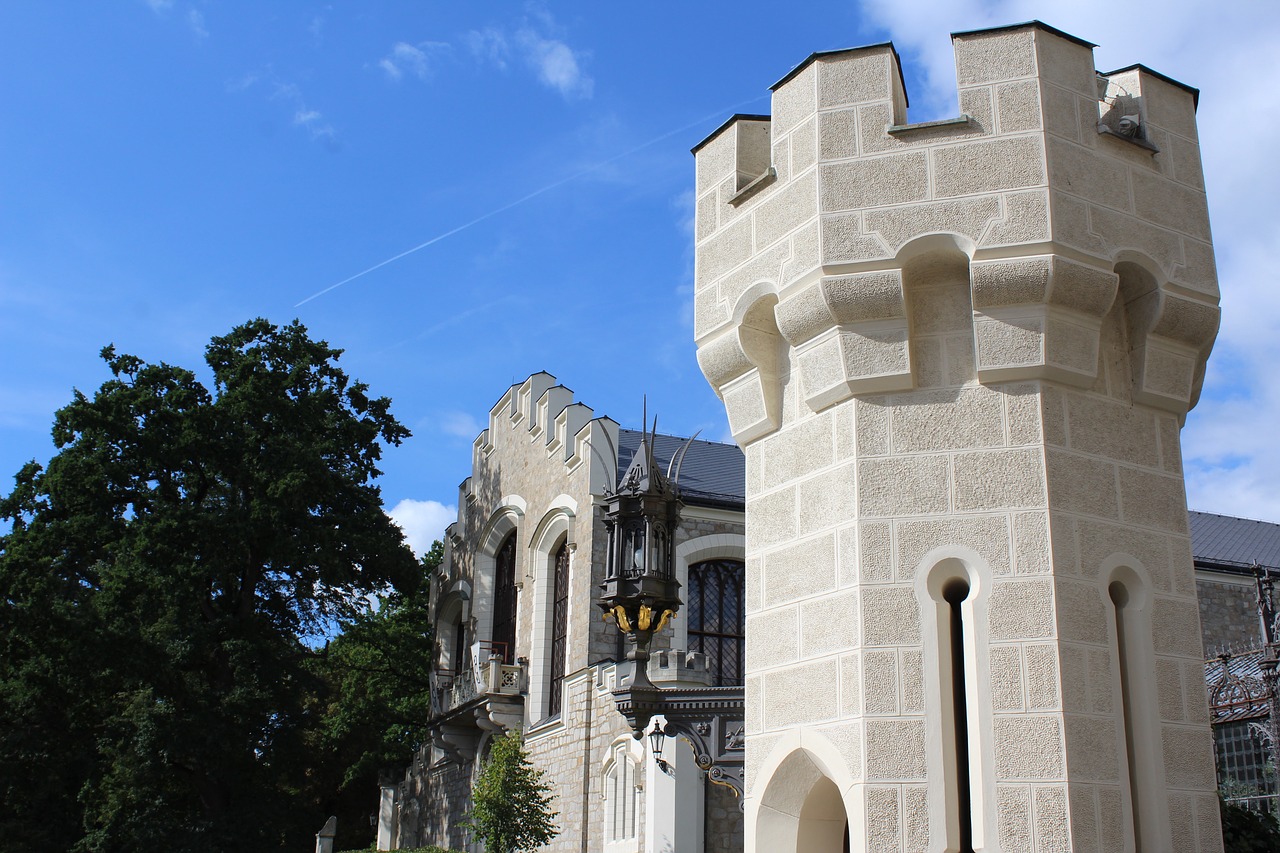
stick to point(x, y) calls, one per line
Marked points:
point(171, 168)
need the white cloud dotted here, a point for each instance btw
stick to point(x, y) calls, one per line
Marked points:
point(304, 116)
point(460, 425)
point(488, 45)
point(1232, 457)
point(414, 59)
point(160, 6)
point(195, 20)
point(556, 65)
point(423, 522)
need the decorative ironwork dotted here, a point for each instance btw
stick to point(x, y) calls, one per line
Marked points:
point(1270, 619)
point(709, 722)
point(1235, 695)
point(640, 591)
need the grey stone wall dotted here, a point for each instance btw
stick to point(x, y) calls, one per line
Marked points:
point(1228, 617)
point(433, 800)
point(526, 469)
point(572, 754)
point(723, 825)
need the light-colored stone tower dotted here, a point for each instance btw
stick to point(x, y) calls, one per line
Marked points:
point(957, 355)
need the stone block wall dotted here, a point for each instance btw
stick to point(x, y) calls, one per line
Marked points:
point(961, 351)
point(572, 752)
point(1228, 616)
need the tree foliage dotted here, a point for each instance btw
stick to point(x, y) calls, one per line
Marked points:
point(511, 805)
point(375, 703)
point(165, 582)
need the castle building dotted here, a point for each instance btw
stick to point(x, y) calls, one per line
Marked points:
point(522, 645)
point(951, 569)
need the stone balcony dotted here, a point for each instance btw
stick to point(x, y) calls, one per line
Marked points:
point(487, 696)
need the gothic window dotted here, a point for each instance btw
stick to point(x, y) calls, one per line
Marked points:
point(715, 595)
point(459, 646)
point(621, 797)
point(559, 628)
point(504, 600)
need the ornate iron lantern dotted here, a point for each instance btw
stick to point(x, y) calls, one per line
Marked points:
point(640, 591)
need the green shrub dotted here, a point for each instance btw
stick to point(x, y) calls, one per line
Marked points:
point(1246, 831)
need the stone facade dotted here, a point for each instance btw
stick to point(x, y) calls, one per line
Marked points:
point(957, 355)
point(1228, 614)
point(539, 473)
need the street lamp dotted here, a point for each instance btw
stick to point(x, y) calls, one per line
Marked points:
point(657, 739)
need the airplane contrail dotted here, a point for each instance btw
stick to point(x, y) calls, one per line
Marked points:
point(504, 208)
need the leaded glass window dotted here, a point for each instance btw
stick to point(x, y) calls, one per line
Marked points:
point(559, 628)
point(1242, 759)
point(715, 618)
point(504, 599)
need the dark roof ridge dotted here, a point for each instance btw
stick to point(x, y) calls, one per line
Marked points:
point(1235, 517)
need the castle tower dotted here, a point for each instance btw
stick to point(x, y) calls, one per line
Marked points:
point(958, 355)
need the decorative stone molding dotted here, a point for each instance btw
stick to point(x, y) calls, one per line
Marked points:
point(1045, 213)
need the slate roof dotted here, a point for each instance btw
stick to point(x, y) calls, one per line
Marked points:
point(1221, 541)
point(713, 474)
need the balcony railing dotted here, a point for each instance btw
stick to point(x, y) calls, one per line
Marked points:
point(491, 676)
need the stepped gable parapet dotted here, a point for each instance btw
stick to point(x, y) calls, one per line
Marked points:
point(541, 412)
point(1056, 188)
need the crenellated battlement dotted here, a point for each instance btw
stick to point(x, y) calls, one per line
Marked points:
point(1051, 182)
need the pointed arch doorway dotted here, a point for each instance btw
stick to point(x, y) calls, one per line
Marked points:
point(802, 810)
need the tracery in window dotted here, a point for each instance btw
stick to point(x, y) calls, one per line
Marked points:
point(559, 628)
point(504, 600)
point(715, 613)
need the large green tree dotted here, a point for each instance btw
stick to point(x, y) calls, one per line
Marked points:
point(375, 703)
point(163, 588)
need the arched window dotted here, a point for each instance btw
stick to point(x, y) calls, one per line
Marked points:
point(459, 660)
point(621, 796)
point(715, 608)
point(953, 586)
point(954, 593)
point(559, 628)
point(504, 599)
